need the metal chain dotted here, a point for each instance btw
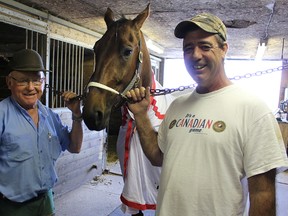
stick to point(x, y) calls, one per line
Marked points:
point(259, 73)
point(157, 92)
point(57, 92)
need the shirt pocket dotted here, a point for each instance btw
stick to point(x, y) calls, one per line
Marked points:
point(55, 147)
point(16, 148)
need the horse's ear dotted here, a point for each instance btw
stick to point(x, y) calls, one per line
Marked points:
point(109, 17)
point(140, 19)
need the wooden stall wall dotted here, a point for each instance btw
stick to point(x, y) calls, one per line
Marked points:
point(76, 169)
point(284, 130)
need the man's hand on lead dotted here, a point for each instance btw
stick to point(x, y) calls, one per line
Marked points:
point(139, 100)
point(73, 105)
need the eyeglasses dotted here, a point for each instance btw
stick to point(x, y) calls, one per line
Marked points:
point(26, 82)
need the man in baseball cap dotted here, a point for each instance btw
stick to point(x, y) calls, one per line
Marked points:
point(213, 139)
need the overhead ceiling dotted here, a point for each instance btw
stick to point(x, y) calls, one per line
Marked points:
point(248, 21)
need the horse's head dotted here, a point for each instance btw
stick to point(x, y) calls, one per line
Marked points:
point(118, 67)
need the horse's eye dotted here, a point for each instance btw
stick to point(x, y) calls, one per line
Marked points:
point(127, 52)
point(118, 82)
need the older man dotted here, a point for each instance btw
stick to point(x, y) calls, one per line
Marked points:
point(31, 139)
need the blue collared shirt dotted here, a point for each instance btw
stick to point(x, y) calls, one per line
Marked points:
point(27, 153)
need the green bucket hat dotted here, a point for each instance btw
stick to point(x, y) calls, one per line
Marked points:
point(206, 21)
point(26, 60)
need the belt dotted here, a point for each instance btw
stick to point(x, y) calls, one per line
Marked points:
point(38, 197)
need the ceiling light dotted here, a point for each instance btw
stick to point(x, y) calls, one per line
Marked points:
point(154, 47)
point(260, 51)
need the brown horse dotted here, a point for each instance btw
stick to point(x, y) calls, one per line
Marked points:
point(122, 62)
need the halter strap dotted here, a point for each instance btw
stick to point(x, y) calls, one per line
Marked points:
point(133, 82)
point(99, 85)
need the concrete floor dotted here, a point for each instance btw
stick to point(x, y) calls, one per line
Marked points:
point(101, 197)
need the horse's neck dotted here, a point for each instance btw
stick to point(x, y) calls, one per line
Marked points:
point(146, 73)
point(147, 81)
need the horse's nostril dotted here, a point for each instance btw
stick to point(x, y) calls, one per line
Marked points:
point(98, 116)
point(94, 120)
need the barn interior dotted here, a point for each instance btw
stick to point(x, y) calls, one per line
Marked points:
point(249, 22)
point(64, 33)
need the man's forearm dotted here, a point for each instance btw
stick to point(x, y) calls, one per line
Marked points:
point(76, 137)
point(263, 204)
point(262, 194)
point(148, 139)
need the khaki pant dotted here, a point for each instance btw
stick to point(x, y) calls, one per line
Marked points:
point(41, 207)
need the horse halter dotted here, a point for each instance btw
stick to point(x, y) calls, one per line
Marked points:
point(133, 83)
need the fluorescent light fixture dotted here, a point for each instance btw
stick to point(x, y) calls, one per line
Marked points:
point(260, 51)
point(154, 47)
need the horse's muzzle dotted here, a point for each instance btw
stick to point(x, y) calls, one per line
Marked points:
point(95, 120)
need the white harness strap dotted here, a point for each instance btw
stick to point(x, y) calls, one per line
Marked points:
point(133, 83)
point(99, 85)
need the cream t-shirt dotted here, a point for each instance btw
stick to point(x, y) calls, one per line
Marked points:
point(211, 144)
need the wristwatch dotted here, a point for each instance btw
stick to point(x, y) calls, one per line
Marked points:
point(77, 118)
